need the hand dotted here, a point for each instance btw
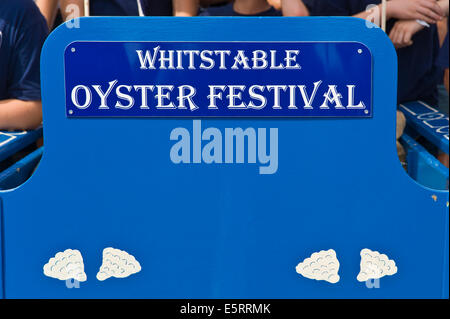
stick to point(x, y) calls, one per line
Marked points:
point(427, 10)
point(444, 5)
point(403, 31)
point(275, 3)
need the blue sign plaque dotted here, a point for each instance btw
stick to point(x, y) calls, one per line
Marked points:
point(218, 79)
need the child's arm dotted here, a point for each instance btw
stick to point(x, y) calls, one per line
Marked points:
point(20, 115)
point(185, 8)
point(403, 31)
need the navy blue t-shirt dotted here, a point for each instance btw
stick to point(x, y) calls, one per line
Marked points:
point(418, 73)
point(443, 54)
point(22, 33)
point(113, 8)
point(228, 11)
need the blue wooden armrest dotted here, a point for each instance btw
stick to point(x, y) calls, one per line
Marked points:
point(20, 171)
point(424, 167)
point(428, 122)
point(12, 142)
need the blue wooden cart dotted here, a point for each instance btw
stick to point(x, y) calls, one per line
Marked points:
point(106, 185)
point(19, 170)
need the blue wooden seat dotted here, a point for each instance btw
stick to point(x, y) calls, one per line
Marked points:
point(428, 122)
point(20, 171)
point(204, 230)
point(424, 167)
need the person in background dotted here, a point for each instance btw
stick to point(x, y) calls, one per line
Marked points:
point(290, 8)
point(23, 31)
point(177, 8)
point(207, 3)
point(417, 46)
point(259, 8)
point(443, 62)
point(114, 8)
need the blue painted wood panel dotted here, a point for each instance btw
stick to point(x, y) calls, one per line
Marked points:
point(428, 122)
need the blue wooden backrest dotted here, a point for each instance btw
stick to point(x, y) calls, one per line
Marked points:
point(428, 122)
point(12, 142)
point(223, 231)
